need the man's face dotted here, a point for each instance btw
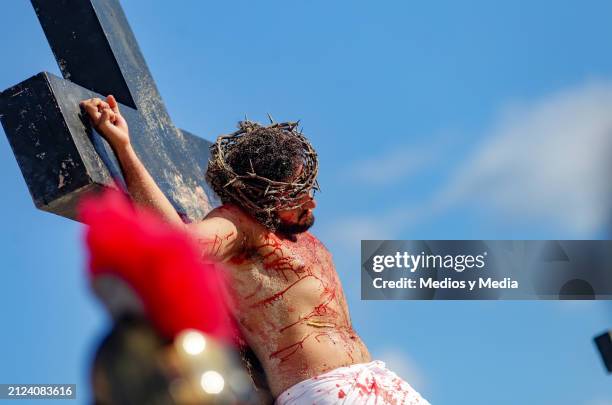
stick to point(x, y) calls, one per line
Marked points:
point(300, 219)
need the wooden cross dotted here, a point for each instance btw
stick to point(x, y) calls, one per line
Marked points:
point(59, 155)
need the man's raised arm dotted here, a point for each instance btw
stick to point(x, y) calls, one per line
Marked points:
point(108, 121)
point(219, 235)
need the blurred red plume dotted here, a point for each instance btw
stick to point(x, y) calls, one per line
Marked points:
point(160, 262)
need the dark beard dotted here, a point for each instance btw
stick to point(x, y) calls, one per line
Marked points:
point(295, 228)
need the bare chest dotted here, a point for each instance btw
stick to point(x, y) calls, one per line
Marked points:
point(277, 271)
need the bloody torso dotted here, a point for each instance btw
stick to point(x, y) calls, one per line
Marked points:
point(291, 308)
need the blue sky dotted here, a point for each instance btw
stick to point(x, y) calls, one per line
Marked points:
point(433, 120)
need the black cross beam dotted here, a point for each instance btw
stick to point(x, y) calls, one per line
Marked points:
point(604, 345)
point(62, 158)
point(59, 155)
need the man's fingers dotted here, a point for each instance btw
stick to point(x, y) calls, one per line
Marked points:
point(104, 117)
point(102, 105)
point(113, 103)
point(107, 117)
point(93, 102)
point(91, 110)
point(112, 116)
point(100, 111)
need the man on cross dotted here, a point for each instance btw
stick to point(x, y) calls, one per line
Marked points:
point(288, 300)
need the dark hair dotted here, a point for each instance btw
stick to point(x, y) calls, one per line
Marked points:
point(262, 169)
point(270, 153)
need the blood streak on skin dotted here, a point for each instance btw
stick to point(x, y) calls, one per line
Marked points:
point(319, 310)
point(213, 246)
point(293, 262)
point(286, 352)
point(238, 260)
point(291, 349)
point(257, 289)
point(275, 260)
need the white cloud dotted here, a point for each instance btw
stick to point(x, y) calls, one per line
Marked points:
point(547, 160)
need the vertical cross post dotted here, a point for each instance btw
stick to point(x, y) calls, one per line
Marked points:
point(59, 155)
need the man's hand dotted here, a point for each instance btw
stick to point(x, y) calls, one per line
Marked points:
point(107, 120)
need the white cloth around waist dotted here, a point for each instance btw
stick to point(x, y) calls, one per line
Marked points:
point(359, 384)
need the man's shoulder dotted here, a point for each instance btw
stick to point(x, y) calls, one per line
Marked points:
point(227, 211)
point(234, 214)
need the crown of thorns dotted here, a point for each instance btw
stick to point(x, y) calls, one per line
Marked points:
point(259, 194)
